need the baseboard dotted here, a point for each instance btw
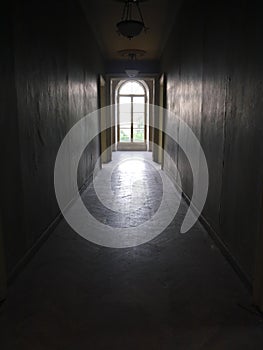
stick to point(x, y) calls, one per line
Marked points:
point(216, 238)
point(43, 237)
point(222, 247)
point(32, 251)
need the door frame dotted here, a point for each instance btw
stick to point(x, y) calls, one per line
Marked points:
point(105, 122)
point(159, 122)
point(132, 145)
point(121, 80)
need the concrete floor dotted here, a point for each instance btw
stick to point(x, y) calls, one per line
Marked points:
point(173, 292)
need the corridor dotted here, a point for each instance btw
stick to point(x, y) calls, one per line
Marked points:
point(131, 192)
point(176, 291)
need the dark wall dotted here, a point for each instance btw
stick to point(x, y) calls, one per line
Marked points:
point(214, 65)
point(50, 67)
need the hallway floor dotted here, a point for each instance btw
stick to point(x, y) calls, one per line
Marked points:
point(173, 292)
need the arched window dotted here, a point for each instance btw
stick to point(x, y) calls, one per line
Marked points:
point(132, 88)
point(131, 113)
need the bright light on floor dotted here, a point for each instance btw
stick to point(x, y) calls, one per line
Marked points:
point(132, 168)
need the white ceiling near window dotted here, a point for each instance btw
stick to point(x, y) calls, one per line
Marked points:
point(158, 15)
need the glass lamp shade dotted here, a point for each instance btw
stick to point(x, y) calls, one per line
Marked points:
point(130, 28)
point(132, 73)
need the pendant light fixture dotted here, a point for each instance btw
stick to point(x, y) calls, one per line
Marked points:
point(130, 26)
point(132, 54)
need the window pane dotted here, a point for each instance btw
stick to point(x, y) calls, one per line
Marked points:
point(138, 107)
point(125, 99)
point(138, 135)
point(125, 118)
point(138, 99)
point(125, 104)
point(131, 88)
point(126, 108)
point(138, 120)
point(125, 135)
point(125, 125)
point(138, 104)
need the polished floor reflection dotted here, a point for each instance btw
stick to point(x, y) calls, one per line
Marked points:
point(127, 191)
point(130, 202)
point(173, 292)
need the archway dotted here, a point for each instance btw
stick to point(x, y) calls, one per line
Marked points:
point(132, 115)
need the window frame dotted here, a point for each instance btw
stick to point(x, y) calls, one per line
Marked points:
point(131, 96)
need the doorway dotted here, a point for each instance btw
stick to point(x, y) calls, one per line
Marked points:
point(132, 116)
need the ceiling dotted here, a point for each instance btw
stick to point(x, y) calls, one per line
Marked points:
point(159, 17)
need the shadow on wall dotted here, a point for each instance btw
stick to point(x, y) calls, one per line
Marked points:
point(50, 82)
point(213, 62)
